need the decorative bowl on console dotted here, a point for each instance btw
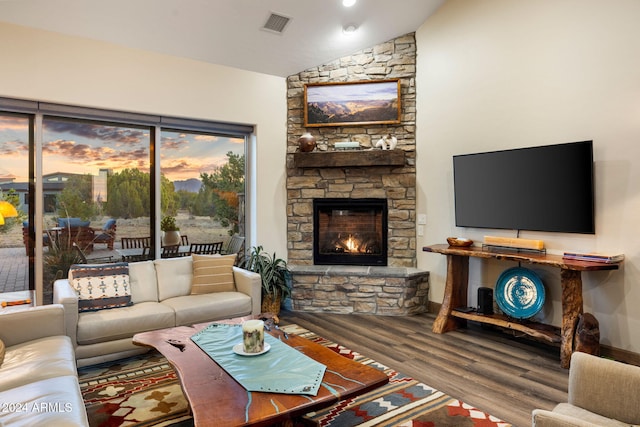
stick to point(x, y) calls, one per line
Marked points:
point(459, 241)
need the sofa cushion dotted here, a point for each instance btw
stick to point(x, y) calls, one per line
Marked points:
point(174, 277)
point(37, 360)
point(192, 309)
point(124, 322)
point(101, 286)
point(213, 273)
point(51, 402)
point(142, 278)
point(73, 222)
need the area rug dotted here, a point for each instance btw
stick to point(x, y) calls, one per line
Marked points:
point(144, 391)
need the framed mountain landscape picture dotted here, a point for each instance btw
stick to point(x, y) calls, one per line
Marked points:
point(352, 103)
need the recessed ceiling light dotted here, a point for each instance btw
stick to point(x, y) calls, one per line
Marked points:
point(348, 3)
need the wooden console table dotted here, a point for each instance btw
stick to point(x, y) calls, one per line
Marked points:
point(455, 293)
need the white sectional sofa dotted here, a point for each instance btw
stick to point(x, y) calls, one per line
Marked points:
point(161, 293)
point(38, 377)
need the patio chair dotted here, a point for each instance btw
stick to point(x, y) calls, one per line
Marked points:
point(235, 245)
point(97, 260)
point(170, 251)
point(184, 240)
point(106, 234)
point(206, 248)
point(135, 242)
point(81, 235)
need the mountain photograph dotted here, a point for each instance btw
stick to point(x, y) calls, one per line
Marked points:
point(357, 102)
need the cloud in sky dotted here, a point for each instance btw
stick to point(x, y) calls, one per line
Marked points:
point(87, 147)
point(111, 134)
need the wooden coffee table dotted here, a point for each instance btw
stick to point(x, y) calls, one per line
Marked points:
point(216, 399)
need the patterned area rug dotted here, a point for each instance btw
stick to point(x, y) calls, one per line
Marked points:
point(144, 391)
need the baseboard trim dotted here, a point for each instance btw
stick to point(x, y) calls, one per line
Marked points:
point(607, 351)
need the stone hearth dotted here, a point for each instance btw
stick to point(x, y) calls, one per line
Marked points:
point(391, 291)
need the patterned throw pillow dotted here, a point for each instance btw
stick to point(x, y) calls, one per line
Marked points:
point(212, 273)
point(101, 286)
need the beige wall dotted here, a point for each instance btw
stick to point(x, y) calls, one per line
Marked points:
point(50, 67)
point(498, 74)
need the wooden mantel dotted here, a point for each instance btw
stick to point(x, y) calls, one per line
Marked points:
point(336, 159)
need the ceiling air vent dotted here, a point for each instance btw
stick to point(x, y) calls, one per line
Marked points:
point(276, 23)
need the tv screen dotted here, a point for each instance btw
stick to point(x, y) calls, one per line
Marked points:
point(546, 188)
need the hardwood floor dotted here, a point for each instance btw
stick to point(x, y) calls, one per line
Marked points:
point(491, 370)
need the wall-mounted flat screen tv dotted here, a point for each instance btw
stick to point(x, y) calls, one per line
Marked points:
point(546, 188)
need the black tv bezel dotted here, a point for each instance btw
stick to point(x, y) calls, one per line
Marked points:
point(589, 219)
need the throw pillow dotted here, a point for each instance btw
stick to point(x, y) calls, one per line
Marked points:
point(2, 349)
point(101, 286)
point(212, 273)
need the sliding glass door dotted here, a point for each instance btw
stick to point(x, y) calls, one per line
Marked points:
point(88, 184)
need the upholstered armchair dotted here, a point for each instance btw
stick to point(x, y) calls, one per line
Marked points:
point(602, 392)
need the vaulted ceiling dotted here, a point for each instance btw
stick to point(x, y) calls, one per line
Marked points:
point(229, 32)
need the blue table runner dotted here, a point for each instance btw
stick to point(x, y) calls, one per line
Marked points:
point(282, 369)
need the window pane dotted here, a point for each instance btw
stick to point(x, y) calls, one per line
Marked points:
point(97, 190)
point(203, 179)
point(14, 188)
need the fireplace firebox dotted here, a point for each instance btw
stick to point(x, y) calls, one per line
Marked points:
point(350, 231)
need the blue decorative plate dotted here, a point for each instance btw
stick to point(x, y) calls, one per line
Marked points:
point(519, 293)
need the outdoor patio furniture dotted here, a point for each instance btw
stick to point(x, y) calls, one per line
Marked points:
point(135, 242)
point(107, 234)
point(206, 248)
point(171, 251)
point(235, 245)
point(84, 260)
point(83, 236)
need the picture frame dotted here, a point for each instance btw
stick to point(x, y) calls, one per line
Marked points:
point(352, 103)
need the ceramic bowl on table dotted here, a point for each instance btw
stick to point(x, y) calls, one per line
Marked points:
point(459, 241)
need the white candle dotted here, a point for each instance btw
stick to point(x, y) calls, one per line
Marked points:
point(253, 336)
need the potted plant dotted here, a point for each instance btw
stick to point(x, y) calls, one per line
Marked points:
point(170, 231)
point(274, 273)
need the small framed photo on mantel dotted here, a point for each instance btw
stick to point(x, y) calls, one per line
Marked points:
point(352, 103)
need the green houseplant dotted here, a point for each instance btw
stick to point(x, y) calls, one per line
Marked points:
point(274, 273)
point(170, 231)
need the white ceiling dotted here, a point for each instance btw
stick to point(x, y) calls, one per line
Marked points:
point(228, 32)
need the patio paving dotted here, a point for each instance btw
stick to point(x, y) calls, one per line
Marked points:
point(14, 267)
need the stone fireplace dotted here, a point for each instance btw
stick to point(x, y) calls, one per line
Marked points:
point(350, 231)
point(366, 263)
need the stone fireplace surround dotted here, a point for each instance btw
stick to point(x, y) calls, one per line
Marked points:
point(399, 288)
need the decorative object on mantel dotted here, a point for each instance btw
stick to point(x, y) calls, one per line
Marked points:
point(306, 142)
point(347, 145)
point(459, 241)
point(387, 141)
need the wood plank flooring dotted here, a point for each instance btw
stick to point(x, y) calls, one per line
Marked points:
point(504, 375)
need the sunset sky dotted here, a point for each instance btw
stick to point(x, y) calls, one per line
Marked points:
point(79, 147)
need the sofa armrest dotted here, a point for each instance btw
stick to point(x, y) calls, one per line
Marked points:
point(543, 418)
point(603, 386)
point(64, 294)
point(32, 323)
point(250, 283)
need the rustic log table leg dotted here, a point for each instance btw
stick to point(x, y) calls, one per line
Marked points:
point(455, 293)
point(571, 281)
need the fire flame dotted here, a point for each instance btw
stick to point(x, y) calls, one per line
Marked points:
point(351, 244)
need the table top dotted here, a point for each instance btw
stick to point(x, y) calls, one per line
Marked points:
point(524, 256)
point(204, 382)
